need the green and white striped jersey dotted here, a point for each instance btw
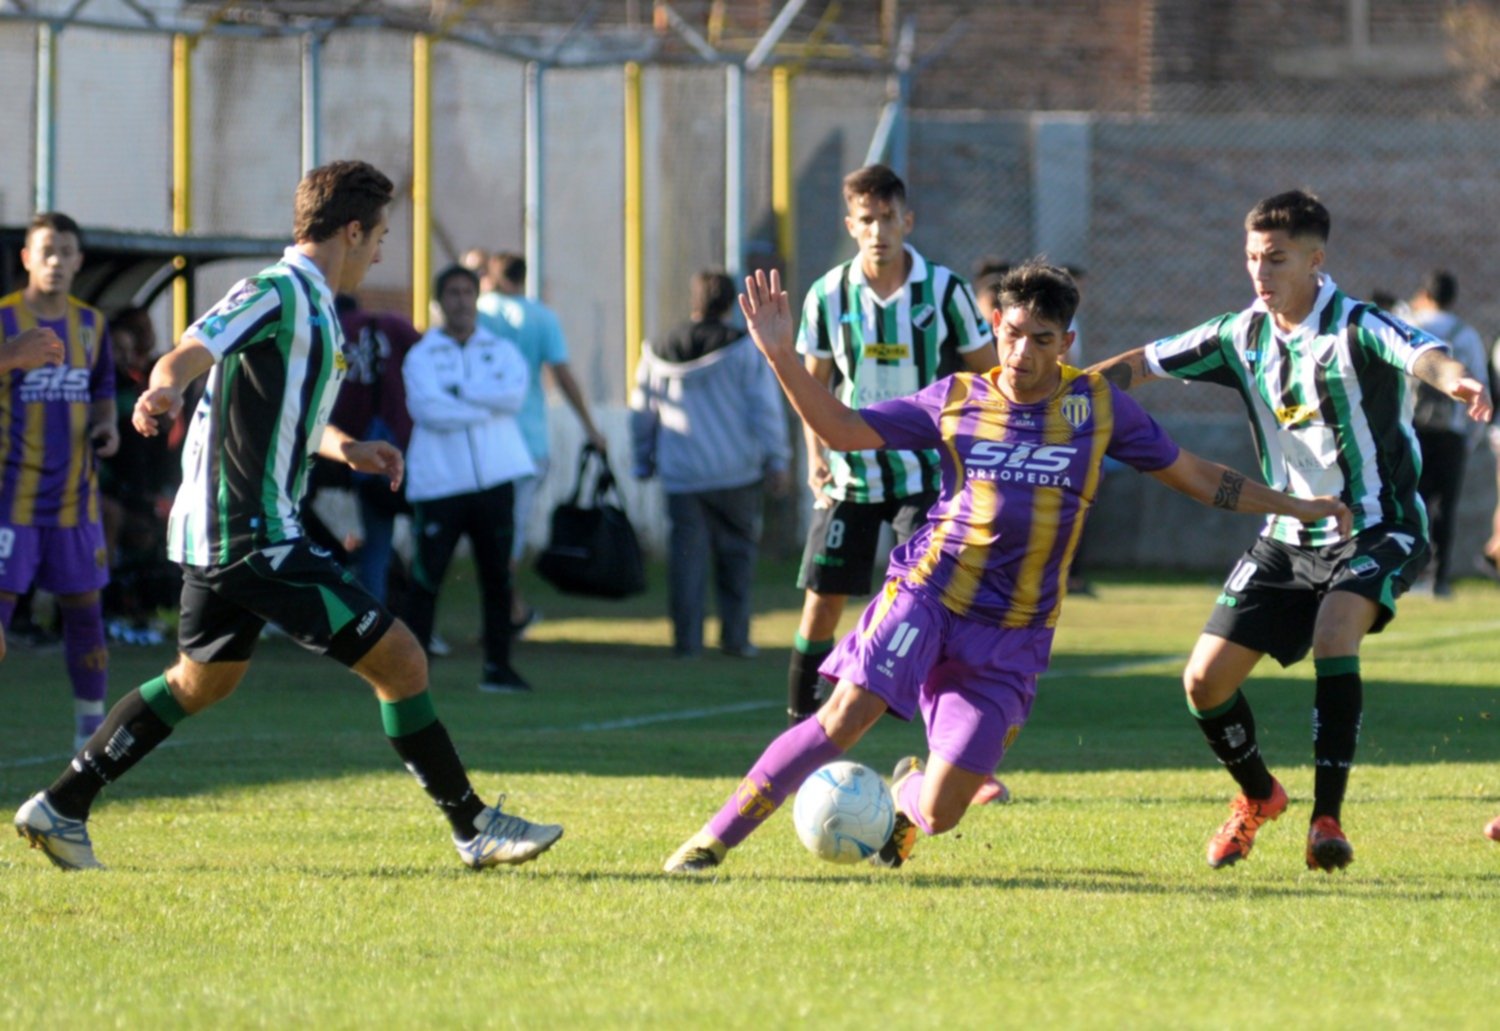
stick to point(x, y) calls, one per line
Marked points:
point(885, 347)
point(279, 360)
point(1330, 405)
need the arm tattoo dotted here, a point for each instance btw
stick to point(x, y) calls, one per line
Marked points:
point(1228, 495)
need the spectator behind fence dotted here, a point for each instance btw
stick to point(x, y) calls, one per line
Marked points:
point(59, 420)
point(706, 419)
point(464, 386)
point(507, 312)
point(136, 486)
point(372, 406)
point(1444, 430)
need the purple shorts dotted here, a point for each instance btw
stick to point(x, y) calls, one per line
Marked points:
point(972, 682)
point(57, 559)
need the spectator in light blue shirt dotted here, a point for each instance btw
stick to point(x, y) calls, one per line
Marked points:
point(506, 311)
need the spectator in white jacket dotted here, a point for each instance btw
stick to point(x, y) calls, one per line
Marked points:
point(464, 386)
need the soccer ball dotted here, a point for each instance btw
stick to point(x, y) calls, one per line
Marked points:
point(844, 813)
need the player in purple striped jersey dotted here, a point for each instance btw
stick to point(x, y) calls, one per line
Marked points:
point(36, 348)
point(964, 624)
point(57, 416)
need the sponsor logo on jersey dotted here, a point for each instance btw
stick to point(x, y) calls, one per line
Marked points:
point(366, 621)
point(887, 352)
point(1295, 414)
point(55, 383)
point(1075, 409)
point(1018, 462)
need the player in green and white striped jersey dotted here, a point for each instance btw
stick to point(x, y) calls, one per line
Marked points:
point(1324, 379)
point(882, 325)
point(275, 349)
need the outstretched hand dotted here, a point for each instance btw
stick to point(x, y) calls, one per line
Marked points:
point(1472, 395)
point(768, 315)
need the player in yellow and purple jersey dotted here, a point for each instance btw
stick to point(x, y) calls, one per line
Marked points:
point(56, 419)
point(964, 624)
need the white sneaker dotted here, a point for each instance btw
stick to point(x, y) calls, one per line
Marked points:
point(504, 838)
point(63, 840)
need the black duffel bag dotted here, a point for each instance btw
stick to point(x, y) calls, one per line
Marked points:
point(592, 548)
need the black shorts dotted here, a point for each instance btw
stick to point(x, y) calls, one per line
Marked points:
point(1270, 601)
point(296, 585)
point(840, 553)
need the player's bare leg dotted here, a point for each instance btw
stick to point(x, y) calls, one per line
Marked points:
point(931, 797)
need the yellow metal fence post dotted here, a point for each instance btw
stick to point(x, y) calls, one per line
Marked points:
point(421, 179)
point(635, 280)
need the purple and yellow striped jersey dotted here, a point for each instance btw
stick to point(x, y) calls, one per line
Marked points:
point(50, 476)
point(1017, 484)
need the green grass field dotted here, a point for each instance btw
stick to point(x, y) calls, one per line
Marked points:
point(273, 864)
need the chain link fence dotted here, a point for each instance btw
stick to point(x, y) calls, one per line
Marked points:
point(1150, 205)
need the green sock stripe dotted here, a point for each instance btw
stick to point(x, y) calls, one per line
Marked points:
point(157, 695)
point(1218, 710)
point(1336, 665)
point(409, 715)
point(806, 647)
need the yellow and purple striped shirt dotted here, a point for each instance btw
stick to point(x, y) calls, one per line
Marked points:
point(1017, 483)
point(50, 477)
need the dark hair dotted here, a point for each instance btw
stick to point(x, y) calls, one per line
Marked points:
point(55, 221)
point(990, 266)
point(1296, 211)
point(511, 266)
point(333, 195)
point(451, 273)
point(876, 181)
point(1441, 286)
point(1042, 289)
point(713, 294)
point(987, 288)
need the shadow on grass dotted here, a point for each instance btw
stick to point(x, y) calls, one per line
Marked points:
point(624, 708)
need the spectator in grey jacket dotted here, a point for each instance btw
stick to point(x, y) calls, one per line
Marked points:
point(707, 419)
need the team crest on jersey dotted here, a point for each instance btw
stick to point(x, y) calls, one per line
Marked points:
point(922, 315)
point(1075, 409)
point(1295, 414)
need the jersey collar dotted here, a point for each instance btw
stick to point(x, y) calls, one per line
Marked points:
point(302, 263)
point(1326, 289)
point(916, 275)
